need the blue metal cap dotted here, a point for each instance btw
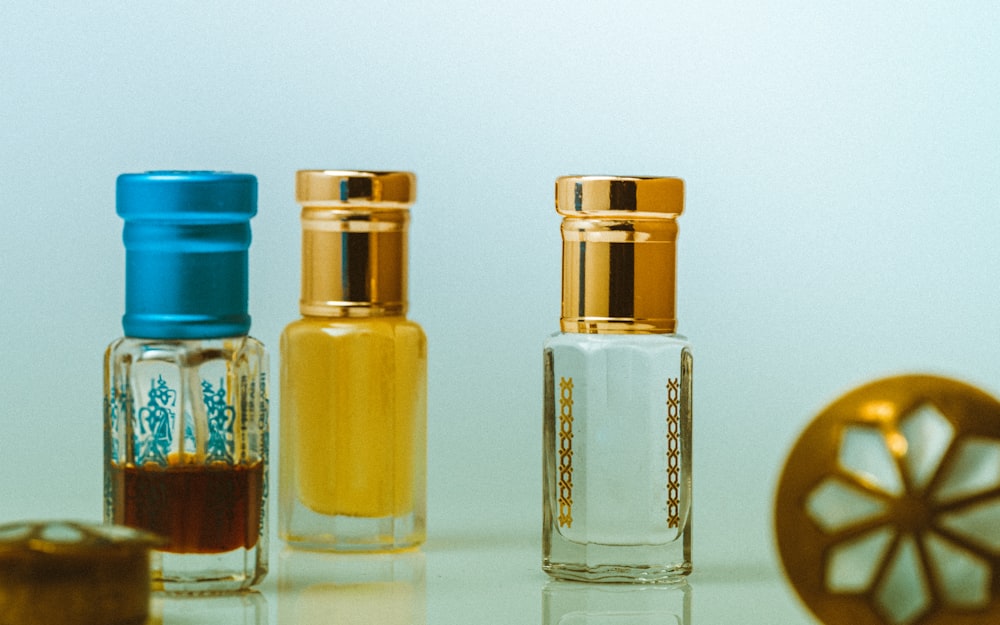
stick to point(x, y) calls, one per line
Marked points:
point(186, 239)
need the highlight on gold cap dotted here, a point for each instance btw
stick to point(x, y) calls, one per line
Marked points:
point(888, 507)
point(330, 187)
point(74, 574)
point(612, 195)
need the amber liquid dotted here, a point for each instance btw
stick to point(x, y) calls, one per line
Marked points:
point(196, 508)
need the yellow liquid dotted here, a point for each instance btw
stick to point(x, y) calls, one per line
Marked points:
point(354, 415)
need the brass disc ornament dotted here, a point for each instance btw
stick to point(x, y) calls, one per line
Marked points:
point(68, 573)
point(888, 507)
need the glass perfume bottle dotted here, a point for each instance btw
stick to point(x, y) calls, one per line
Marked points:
point(617, 409)
point(353, 372)
point(185, 391)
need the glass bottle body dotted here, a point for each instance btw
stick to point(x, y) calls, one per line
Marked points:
point(186, 439)
point(354, 433)
point(617, 457)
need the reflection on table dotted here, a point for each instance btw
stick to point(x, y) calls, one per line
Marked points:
point(240, 608)
point(351, 589)
point(574, 603)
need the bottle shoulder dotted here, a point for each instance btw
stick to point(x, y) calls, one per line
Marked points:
point(332, 328)
point(185, 350)
point(612, 341)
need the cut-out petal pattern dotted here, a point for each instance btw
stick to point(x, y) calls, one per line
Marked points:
point(904, 592)
point(908, 507)
point(835, 505)
point(974, 469)
point(853, 563)
point(978, 524)
point(928, 435)
point(964, 578)
point(62, 533)
point(864, 454)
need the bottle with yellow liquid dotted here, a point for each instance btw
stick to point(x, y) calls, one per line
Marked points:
point(353, 372)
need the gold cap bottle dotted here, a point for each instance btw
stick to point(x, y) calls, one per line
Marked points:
point(617, 367)
point(354, 227)
point(619, 253)
point(353, 372)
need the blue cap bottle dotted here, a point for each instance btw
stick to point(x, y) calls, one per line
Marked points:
point(185, 390)
point(187, 234)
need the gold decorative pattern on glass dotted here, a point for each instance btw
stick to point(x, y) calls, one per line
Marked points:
point(566, 452)
point(888, 508)
point(673, 453)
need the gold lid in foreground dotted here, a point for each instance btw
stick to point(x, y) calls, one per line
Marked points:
point(886, 510)
point(354, 242)
point(619, 253)
point(74, 574)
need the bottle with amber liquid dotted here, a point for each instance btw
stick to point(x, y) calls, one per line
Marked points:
point(353, 372)
point(185, 390)
point(617, 389)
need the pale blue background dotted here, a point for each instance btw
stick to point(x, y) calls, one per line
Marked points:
point(842, 221)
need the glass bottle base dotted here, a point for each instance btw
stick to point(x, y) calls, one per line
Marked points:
point(234, 570)
point(647, 563)
point(307, 529)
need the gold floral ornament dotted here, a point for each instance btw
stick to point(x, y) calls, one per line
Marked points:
point(888, 507)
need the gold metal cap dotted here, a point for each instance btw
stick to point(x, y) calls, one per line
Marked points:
point(354, 242)
point(74, 574)
point(607, 196)
point(329, 187)
point(619, 253)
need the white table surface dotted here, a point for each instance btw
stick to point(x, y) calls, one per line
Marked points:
point(493, 580)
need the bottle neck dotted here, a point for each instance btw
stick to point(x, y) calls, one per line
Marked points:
point(354, 262)
point(618, 276)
